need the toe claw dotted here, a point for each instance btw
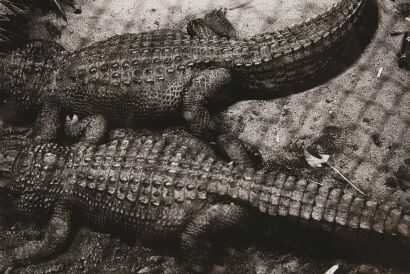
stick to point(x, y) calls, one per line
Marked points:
point(71, 121)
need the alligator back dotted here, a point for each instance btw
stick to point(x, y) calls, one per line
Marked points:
point(141, 185)
point(142, 74)
point(147, 72)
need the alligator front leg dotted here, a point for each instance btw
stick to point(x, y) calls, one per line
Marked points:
point(90, 129)
point(56, 234)
point(208, 85)
point(211, 226)
point(48, 122)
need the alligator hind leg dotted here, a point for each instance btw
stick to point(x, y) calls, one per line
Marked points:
point(211, 226)
point(213, 23)
point(48, 122)
point(56, 234)
point(91, 129)
point(211, 85)
point(208, 84)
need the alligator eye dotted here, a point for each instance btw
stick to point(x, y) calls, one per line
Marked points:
point(126, 65)
point(93, 70)
point(115, 66)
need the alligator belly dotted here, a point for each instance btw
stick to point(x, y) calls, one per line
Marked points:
point(134, 103)
point(138, 218)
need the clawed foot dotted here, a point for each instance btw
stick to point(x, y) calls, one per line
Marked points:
point(71, 127)
point(219, 12)
point(217, 21)
point(365, 269)
point(239, 151)
point(5, 262)
point(90, 129)
point(254, 154)
point(213, 23)
point(71, 121)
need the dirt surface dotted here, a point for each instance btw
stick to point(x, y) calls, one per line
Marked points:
point(359, 119)
point(101, 19)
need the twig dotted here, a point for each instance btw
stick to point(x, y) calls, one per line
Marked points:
point(242, 5)
point(397, 33)
point(316, 183)
point(350, 183)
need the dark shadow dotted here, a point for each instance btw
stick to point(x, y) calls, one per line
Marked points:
point(327, 242)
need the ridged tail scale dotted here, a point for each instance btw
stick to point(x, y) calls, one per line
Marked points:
point(280, 195)
point(290, 57)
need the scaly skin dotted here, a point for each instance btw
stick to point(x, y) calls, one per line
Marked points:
point(171, 186)
point(164, 74)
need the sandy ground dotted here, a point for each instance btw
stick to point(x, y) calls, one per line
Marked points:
point(366, 117)
point(101, 19)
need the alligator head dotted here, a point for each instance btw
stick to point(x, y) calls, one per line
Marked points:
point(18, 72)
point(26, 73)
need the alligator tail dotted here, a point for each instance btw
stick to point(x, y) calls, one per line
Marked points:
point(278, 194)
point(289, 59)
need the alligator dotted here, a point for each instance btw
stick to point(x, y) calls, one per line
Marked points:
point(170, 186)
point(166, 74)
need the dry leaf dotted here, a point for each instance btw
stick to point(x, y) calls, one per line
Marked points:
point(379, 72)
point(314, 161)
point(318, 162)
point(333, 269)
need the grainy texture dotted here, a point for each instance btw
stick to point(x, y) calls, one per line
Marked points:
point(369, 116)
point(157, 187)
